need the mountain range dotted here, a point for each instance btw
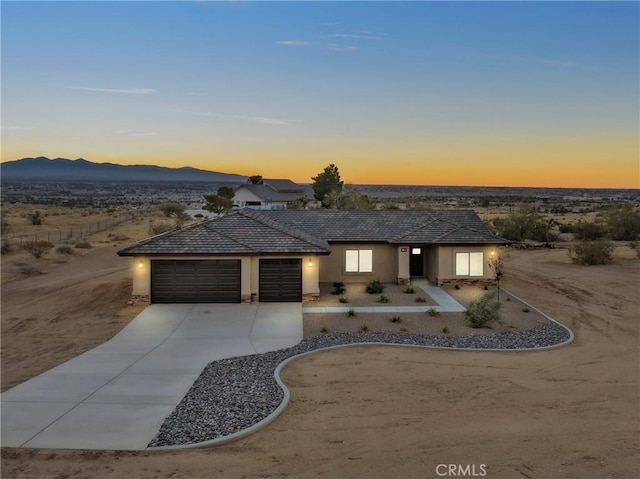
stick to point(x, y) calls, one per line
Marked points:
point(63, 169)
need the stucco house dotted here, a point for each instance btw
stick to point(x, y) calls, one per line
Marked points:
point(283, 255)
point(273, 195)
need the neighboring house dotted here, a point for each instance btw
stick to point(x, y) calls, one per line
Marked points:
point(273, 195)
point(284, 255)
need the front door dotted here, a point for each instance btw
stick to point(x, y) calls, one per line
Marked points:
point(416, 261)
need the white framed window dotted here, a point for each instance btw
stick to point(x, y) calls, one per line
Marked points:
point(358, 261)
point(470, 264)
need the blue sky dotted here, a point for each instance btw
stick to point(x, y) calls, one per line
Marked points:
point(512, 93)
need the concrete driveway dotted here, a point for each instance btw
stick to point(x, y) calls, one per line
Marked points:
point(117, 395)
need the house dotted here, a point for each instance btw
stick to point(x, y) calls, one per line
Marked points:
point(273, 195)
point(283, 255)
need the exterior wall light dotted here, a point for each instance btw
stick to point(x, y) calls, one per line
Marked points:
point(492, 253)
point(140, 264)
point(310, 263)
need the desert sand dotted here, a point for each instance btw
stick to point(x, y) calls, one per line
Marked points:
point(378, 412)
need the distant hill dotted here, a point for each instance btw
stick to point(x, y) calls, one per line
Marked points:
point(42, 168)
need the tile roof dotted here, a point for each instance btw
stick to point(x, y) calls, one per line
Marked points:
point(253, 232)
point(267, 193)
point(239, 232)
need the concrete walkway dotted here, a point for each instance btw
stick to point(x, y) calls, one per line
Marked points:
point(117, 395)
point(445, 303)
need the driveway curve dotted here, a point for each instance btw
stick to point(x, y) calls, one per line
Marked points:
point(117, 395)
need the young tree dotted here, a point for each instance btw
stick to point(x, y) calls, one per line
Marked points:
point(326, 183)
point(496, 265)
point(35, 218)
point(255, 180)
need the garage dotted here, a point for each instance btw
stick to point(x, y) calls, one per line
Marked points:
point(280, 280)
point(195, 281)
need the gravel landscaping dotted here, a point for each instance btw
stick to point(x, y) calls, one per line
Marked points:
point(233, 394)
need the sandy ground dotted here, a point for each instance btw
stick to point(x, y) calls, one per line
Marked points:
point(388, 412)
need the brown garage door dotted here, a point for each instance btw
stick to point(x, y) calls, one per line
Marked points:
point(195, 281)
point(280, 280)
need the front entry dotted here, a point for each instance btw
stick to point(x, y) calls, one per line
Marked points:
point(416, 262)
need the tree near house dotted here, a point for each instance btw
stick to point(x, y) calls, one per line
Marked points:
point(221, 201)
point(255, 180)
point(327, 182)
point(496, 265)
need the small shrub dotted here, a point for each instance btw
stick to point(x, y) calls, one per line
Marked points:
point(486, 288)
point(409, 290)
point(507, 298)
point(420, 299)
point(404, 330)
point(374, 287)
point(526, 310)
point(324, 330)
point(456, 287)
point(338, 288)
point(395, 319)
point(343, 299)
point(591, 253)
point(483, 312)
point(383, 298)
point(83, 245)
point(161, 227)
point(445, 330)
point(65, 249)
point(5, 246)
point(35, 218)
point(37, 249)
point(351, 313)
point(432, 312)
point(30, 271)
point(364, 327)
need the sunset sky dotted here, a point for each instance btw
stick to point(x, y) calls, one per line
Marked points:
point(433, 93)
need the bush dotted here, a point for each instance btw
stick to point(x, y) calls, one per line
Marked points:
point(35, 218)
point(364, 327)
point(383, 298)
point(161, 227)
point(420, 299)
point(83, 245)
point(409, 290)
point(433, 312)
point(338, 288)
point(623, 223)
point(483, 312)
point(395, 319)
point(445, 330)
point(351, 313)
point(374, 287)
point(585, 230)
point(324, 330)
point(65, 249)
point(37, 249)
point(343, 299)
point(590, 253)
point(5, 246)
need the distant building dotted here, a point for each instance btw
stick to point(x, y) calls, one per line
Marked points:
point(275, 195)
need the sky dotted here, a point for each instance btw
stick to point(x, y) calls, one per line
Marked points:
point(420, 93)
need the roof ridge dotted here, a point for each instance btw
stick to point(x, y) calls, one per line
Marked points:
point(283, 227)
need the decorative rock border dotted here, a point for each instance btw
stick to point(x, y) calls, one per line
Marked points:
point(235, 397)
